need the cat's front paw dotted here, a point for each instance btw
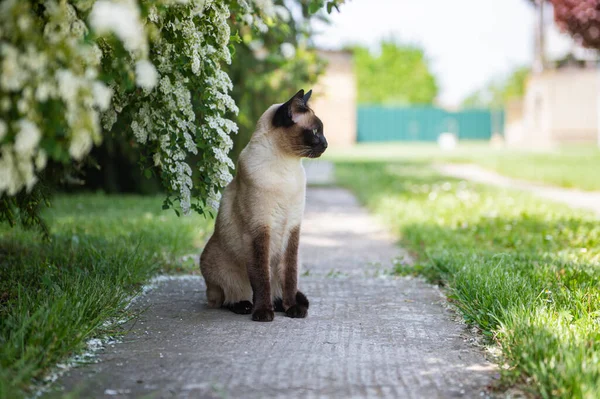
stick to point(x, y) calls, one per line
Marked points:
point(263, 315)
point(301, 299)
point(297, 311)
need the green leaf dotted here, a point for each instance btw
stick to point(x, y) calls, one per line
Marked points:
point(235, 38)
point(315, 6)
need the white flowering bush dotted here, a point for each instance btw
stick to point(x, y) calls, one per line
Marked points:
point(73, 71)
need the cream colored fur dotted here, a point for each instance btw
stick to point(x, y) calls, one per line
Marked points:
point(267, 191)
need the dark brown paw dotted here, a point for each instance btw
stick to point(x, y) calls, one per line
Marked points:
point(242, 307)
point(278, 305)
point(263, 315)
point(296, 311)
point(301, 299)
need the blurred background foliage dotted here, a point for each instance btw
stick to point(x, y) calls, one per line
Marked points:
point(268, 70)
point(394, 74)
point(499, 92)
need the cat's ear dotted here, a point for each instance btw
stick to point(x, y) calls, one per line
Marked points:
point(307, 97)
point(288, 112)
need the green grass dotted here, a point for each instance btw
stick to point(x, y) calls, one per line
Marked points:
point(55, 296)
point(571, 167)
point(526, 271)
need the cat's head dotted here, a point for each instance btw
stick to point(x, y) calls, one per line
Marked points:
point(296, 128)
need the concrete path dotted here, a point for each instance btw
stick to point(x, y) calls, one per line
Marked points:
point(574, 198)
point(367, 334)
point(319, 172)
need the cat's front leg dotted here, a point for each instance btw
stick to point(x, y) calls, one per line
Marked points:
point(259, 275)
point(294, 302)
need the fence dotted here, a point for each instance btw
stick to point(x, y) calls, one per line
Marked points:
point(377, 123)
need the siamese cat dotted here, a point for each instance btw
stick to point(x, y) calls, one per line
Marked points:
point(250, 264)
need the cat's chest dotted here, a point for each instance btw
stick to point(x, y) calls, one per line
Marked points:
point(287, 205)
point(278, 190)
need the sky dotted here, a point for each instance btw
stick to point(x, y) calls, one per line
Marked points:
point(469, 42)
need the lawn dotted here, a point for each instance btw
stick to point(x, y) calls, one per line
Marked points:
point(571, 167)
point(55, 296)
point(526, 271)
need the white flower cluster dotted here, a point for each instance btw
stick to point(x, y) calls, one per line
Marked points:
point(174, 53)
point(50, 84)
point(264, 7)
point(121, 17)
point(167, 119)
point(19, 161)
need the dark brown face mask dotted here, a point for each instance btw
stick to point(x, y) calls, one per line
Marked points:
point(302, 128)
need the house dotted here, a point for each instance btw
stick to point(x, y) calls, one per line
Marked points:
point(334, 98)
point(561, 107)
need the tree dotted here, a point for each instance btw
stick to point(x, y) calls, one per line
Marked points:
point(580, 18)
point(400, 74)
point(73, 72)
point(497, 93)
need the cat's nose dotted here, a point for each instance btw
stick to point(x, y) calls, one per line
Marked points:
point(324, 144)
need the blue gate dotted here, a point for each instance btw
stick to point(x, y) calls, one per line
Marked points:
point(377, 123)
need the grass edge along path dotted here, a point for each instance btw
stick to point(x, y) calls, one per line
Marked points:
point(55, 296)
point(524, 270)
point(567, 167)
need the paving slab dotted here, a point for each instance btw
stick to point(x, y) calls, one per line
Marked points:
point(368, 334)
point(589, 200)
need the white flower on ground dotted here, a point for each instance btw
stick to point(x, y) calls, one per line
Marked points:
point(288, 50)
point(102, 95)
point(145, 74)
point(27, 138)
